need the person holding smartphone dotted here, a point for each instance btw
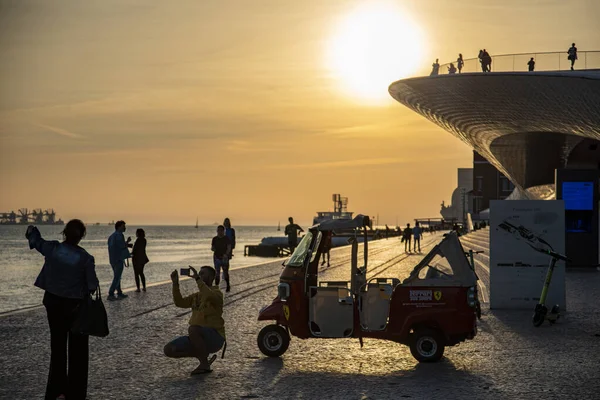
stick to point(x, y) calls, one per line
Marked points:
point(221, 247)
point(206, 331)
point(68, 274)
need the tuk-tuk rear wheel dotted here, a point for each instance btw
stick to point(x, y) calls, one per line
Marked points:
point(273, 340)
point(427, 345)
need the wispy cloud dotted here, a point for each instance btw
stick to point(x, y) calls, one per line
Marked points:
point(59, 131)
point(245, 146)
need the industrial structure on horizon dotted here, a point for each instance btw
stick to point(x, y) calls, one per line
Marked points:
point(24, 217)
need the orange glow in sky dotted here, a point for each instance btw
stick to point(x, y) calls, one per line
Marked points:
point(157, 112)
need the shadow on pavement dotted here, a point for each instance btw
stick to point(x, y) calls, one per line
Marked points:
point(436, 380)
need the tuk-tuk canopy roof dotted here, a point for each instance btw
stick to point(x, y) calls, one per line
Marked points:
point(360, 221)
point(451, 254)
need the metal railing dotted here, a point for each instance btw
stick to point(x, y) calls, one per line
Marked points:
point(544, 61)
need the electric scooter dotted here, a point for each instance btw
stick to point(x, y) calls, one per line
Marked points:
point(541, 311)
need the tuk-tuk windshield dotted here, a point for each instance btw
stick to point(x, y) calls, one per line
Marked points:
point(297, 259)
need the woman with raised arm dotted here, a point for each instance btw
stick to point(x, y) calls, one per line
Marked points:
point(67, 277)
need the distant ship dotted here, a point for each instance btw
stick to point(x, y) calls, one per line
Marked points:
point(35, 217)
point(340, 210)
point(196, 222)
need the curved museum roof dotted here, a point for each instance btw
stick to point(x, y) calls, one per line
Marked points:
point(524, 123)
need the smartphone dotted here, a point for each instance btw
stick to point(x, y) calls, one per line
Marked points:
point(184, 272)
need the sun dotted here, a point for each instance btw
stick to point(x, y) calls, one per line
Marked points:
point(372, 46)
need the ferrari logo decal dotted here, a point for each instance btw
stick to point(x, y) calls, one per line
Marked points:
point(438, 295)
point(286, 312)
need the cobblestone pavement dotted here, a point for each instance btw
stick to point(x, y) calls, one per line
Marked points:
point(508, 359)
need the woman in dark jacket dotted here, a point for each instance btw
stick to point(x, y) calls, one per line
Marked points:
point(68, 275)
point(140, 259)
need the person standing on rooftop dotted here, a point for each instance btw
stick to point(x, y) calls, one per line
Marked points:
point(481, 61)
point(451, 69)
point(531, 65)
point(118, 252)
point(572, 55)
point(68, 275)
point(435, 68)
point(460, 62)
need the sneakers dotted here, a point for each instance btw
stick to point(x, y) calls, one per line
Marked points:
point(111, 297)
point(144, 289)
point(122, 296)
point(228, 289)
point(137, 290)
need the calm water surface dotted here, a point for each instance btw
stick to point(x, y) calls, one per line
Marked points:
point(169, 247)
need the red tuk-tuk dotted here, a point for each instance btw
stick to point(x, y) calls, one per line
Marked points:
point(433, 308)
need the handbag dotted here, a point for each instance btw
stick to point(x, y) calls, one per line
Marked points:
point(90, 316)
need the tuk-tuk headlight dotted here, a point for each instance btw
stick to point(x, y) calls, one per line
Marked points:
point(283, 291)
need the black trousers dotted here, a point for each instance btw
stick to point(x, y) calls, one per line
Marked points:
point(138, 271)
point(61, 312)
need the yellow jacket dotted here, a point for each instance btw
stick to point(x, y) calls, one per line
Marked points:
point(206, 305)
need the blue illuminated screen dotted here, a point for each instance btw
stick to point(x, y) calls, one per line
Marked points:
point(578, 195)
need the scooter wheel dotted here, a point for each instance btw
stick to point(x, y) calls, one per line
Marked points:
point(539, 315)
point(273, 340)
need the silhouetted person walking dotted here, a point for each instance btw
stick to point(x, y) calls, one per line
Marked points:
point(230, 233)
point(460, 63)
point(327, 247)
point(531, 64)
point(221, 247)
point(139, 259)
point(68, 275)
point(291, 230)
point(435, 68)
point(417, 234)
point(407, 237)
point(118, 252)
point(572, 55)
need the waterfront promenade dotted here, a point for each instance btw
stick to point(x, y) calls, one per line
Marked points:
point(508, 359)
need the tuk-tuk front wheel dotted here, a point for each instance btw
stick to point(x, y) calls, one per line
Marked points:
point(427, 345)
point(273, 340)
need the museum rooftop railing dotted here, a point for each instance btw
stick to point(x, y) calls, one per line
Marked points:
point(544, 61)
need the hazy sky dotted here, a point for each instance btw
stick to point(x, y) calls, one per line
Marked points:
point(158, 112)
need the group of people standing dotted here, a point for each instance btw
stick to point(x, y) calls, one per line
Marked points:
point(485, 61)
point(412, 234)
point(68, 277)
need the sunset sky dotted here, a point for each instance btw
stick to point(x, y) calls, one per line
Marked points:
point(160, 111)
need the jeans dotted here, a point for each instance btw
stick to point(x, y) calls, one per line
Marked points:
point(219, 263)
point(116, 283)
point(61, 313)
point(407, 243)
point(187, 346)
point(417, 241)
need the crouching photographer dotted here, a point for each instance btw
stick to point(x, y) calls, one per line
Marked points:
point(206, 333)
